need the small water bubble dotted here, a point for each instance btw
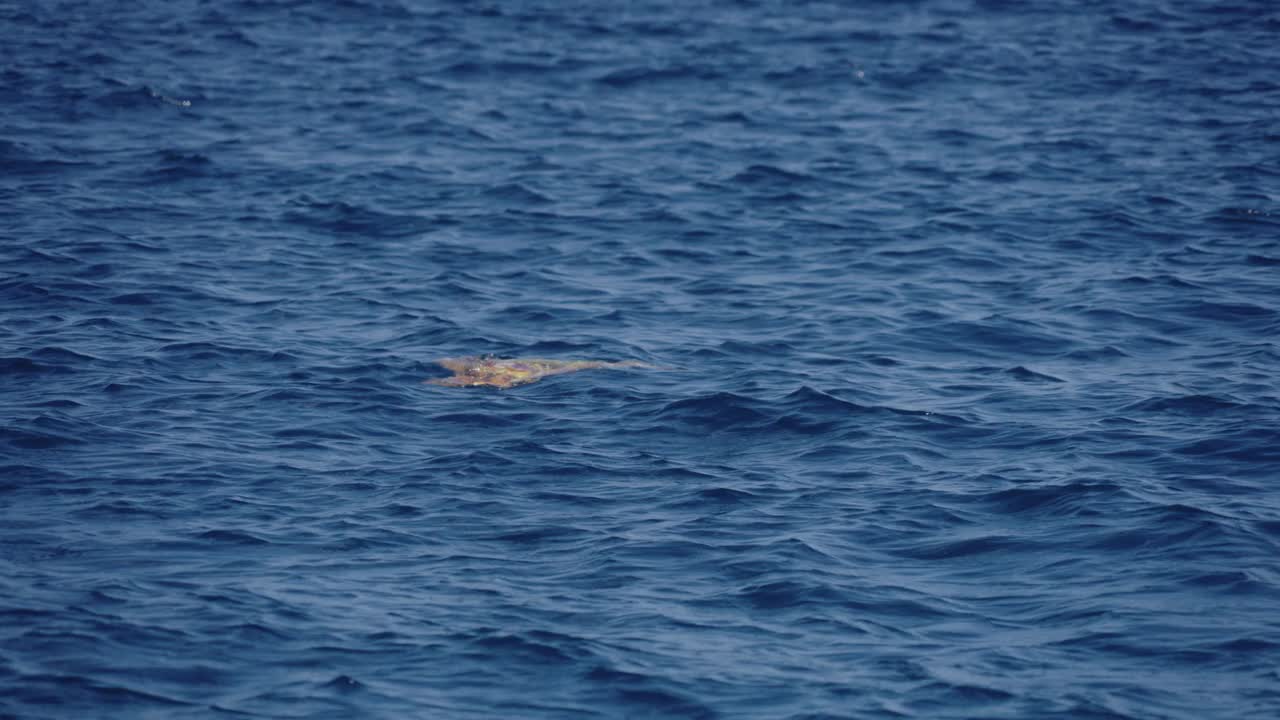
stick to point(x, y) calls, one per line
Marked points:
point(172, 101)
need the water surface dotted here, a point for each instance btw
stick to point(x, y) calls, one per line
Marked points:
point(971, 307)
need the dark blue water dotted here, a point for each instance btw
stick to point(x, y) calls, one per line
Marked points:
point(970, 310)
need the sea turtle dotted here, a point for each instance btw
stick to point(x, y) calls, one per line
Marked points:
point(473, 370)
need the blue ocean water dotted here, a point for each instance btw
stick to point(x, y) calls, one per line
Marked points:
point(968, 313)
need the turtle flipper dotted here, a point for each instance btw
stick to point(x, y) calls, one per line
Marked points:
point(451, 381)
